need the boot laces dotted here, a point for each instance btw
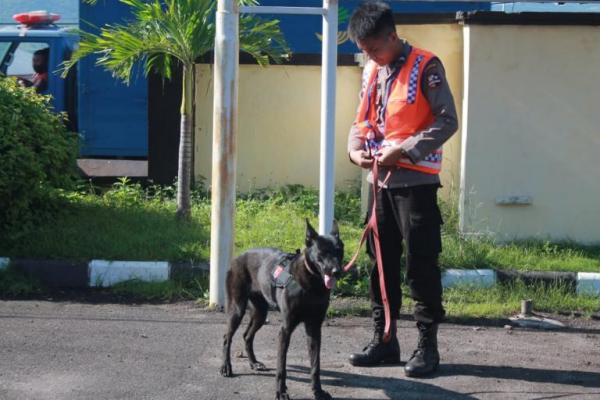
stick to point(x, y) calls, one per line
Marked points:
point(421, 346)
point(418, 352)
point(377, 337)
point(424, 340)
point(375, 341)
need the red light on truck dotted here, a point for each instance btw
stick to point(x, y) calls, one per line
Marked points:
point(36, 18)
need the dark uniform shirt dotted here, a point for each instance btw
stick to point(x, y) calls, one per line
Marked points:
point(437, 92)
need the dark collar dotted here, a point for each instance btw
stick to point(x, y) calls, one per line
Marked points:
point(401, 60)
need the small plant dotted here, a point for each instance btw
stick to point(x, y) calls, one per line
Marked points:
point(124, 193)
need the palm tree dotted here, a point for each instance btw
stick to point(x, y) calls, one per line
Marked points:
point(164, 33)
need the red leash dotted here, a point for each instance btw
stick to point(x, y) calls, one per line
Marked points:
point(372, 226)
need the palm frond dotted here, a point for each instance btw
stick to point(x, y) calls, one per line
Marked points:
point(263, 40)
point(162, 31)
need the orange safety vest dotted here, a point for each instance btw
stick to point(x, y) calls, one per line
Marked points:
point(407, 111)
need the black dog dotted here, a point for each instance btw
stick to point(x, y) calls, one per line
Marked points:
point(298, 285)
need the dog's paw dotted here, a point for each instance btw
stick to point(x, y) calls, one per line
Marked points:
point(322, 395)
point(282, 396)
point(226, 370)
point(258, 366)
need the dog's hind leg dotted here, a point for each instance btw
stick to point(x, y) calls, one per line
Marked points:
point(260, 308)
point(236, 308)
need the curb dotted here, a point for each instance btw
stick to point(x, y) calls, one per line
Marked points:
point(100, 273)
point(479, 278)
point(105, 273)
point(588, 283)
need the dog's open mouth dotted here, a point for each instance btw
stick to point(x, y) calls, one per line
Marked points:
point(329, 281)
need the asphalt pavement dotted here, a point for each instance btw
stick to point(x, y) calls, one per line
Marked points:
point(67, 350)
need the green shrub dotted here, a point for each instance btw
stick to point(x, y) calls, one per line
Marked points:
point(37, 158)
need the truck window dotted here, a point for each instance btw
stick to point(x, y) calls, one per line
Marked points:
point(30, 64)
point(4, 57)
point(4, 46)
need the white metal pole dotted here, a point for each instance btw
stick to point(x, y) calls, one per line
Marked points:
point(224, 146)
point(328, 90)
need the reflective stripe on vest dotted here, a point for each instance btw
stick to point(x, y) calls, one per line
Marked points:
point(407, 111)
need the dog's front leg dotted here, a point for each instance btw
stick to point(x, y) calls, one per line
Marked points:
point(284, 342)
point(313, 333)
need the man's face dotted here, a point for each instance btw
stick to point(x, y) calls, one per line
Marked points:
point(382, 49)
point(40, 63)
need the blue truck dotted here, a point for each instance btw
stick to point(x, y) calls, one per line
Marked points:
point(110, 117)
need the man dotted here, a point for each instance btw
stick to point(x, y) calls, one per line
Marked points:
point(407, 112)
point(40, 65)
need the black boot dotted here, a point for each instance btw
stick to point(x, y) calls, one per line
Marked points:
point(426, 358)
point(377, 352)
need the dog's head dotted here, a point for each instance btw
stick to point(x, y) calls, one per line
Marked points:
point(325, 252)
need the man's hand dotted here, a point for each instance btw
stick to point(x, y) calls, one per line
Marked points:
point(24, 82)
point(389, 155)
point(361, 158)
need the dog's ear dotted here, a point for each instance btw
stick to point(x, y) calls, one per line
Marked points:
point(335, 230)
point(311, 234)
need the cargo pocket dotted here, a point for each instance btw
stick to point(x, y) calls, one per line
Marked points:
point(425, 238)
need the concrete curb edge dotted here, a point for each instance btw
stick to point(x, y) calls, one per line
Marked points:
point(105, 273)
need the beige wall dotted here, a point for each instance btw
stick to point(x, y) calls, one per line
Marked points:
point(279, 125)
point(279, 117)
point(532, 128)
point(444, 40)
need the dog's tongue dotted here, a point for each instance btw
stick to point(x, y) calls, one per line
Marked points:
point(329, 281)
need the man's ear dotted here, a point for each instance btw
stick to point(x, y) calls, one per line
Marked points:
point(311, 234)
point(394, 36)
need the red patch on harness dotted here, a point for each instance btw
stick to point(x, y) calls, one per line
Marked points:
point(277, 271)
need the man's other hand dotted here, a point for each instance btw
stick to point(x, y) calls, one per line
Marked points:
point(361, 158)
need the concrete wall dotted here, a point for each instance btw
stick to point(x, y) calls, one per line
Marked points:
point(279, 117)
point(444, 40)
point(279, 125)
point(531, 128)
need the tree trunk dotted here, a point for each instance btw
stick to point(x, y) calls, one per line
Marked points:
point(185, 145)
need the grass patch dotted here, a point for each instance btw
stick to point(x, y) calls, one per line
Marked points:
point(501, 301)
point(505, 300)
point(195, 288)
point(16, 284)
point(131, 222)
point(93, 228)
point(128, 222)
point(524, 255)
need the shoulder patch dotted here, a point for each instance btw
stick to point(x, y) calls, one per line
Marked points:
point(434, 79)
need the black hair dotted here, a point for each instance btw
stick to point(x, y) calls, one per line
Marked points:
point(45, 52)
point(372, 18)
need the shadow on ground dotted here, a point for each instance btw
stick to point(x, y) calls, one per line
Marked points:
point(393, 388)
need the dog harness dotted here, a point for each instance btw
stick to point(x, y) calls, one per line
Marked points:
point(281, 277)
